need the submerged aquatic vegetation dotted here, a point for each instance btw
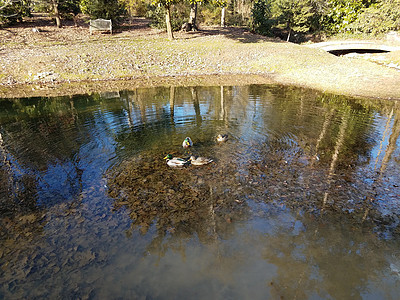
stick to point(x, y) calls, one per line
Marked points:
point(177, 200)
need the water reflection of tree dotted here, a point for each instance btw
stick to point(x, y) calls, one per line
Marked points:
point(39, 137)
point(180, 202)
point(392, 142)
point(313, 166)
point(317, 168)
point(49, 153)
point(309, 264)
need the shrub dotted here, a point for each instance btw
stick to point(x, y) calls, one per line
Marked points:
point(179, 15)
point(261, 14)
point(12, 11)
point(106, 9)
point(379, 18)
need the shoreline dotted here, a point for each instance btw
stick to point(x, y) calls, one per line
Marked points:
point(56, 89)
point(94, 86)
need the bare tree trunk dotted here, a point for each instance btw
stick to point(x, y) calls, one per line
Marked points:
point(223, 12)
point(392, 143)
point(196, 105)
point(172, 101)
point(56, 13)
point(288, 37)
point(339, 144)
point(385, 133)
point(168, 22)
point(193, 16)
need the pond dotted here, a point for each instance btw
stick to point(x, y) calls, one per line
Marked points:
point(301, 201)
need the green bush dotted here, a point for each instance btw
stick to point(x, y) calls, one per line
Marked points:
point(105, 9)
point(179, 15)
point(14, 11)
point(261, 14)
point(379, 18)
point(136, 7)
point(342, 13)
point(209, 15)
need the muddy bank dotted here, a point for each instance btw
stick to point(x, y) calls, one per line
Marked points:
point(98, 86)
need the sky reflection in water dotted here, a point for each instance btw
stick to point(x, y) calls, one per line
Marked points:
point(301, 202)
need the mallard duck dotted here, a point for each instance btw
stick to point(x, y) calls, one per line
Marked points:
point(198, 161)
point(176, 161)
point(222, 137)
point(187, 142)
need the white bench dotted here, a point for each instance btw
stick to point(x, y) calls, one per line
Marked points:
point(100, 25)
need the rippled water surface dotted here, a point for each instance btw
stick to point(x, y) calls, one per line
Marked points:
point(301, 202)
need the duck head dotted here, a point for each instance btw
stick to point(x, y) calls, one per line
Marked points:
point(168, 157)
point(187, 142)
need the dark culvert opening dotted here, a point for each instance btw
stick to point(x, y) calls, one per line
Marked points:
point(359, 51)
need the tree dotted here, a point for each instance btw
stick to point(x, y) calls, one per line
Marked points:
point(59, 9)
point(223, 4)
point(136, 7)
point(342, 13)
point(261, 14)
point(167, 6)
point(56, 12)
point(12, 10)
point(193, 15)
point(379, 18)
point(293, 15)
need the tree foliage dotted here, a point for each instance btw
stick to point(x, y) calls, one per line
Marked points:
point(293, 15)
point(330, 16)
point(14, 10)
point(261, 14)
point(67, 7)
point(342, 13)
point(136, 7)
point(105, 9)
point(179, 15)
point(166, 4)
point(379, 18)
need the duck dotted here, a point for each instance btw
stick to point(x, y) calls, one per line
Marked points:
point(187, 142)
point(199, 161)
point(222, 137)
point(176, 161)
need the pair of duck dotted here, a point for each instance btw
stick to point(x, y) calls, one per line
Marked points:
point(187, 142)
point(197, 161)
point(180, 162)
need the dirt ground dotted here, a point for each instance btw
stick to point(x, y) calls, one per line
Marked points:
point(72, 31)
point(38, 59)
point(78, 31)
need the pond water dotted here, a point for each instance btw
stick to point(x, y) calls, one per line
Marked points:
point(302, 200)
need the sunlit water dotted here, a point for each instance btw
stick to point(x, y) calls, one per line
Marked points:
point(301, 202)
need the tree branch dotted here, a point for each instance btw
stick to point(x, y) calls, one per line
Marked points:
point(7, 3)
